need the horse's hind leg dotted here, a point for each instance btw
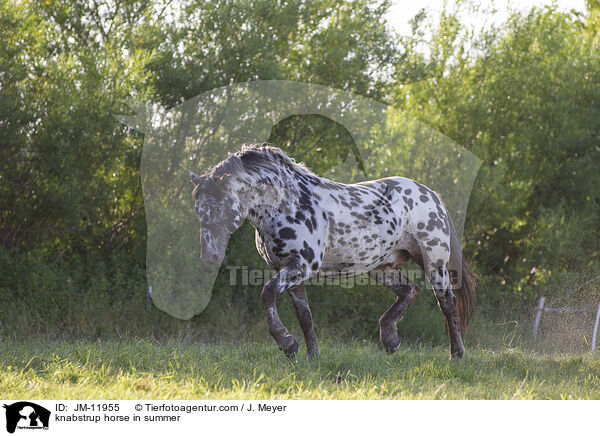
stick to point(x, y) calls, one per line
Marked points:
point(271, 290)
point(440, 280)
point(407, 292)
point(300, 302)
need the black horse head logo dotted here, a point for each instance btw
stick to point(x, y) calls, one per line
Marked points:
point(27, 415)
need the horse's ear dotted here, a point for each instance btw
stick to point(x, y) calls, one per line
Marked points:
point(195, 178)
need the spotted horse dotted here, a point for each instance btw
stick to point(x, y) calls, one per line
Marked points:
point(308, 225)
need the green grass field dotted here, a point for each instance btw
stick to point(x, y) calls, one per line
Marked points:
point(138, 368)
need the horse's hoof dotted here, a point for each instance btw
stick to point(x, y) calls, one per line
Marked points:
point(292, 350)
point(391, 349)
point(457, 356)
point(314, 354)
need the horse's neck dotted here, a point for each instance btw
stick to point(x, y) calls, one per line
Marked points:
point(257, 198)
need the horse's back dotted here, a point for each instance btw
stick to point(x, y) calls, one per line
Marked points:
point(419, 222)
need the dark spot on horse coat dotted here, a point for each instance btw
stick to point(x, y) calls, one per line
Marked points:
point(358, 215)
point(307, 253)
point(291, 220)
point(287, 233)
point(434, 223)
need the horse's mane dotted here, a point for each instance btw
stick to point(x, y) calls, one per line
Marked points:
point(255, 159)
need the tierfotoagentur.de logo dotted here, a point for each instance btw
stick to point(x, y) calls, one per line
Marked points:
point(26, 415)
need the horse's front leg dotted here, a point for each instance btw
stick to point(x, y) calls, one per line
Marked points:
point(304, 315)
point(285, 279)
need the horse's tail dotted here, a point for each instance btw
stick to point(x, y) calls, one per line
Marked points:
point(464, 282)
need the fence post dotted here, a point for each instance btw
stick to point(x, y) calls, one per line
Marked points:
point(595, 330)
point(149, 299)
point(538, 316)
